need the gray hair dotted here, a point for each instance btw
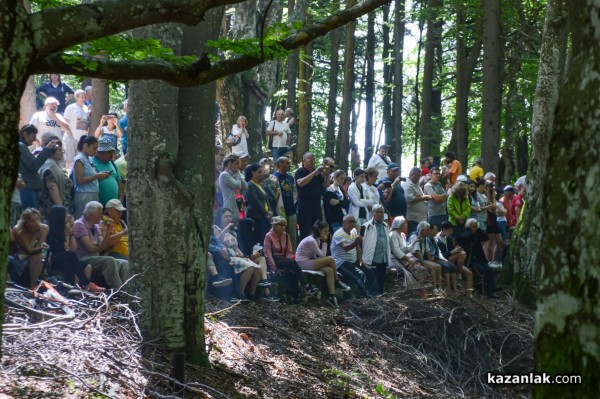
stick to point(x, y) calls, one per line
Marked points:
point(422, 225)
point(348, 216)
point(78, 93)
point(92, 207)
point(376, 207)
point(414, 170)
point(88, 88)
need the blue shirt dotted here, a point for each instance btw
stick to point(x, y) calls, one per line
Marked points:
point(286, 184)
point(88, 170)
point(380, 254)
point(123, 122)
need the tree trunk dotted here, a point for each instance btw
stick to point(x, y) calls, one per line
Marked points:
point(492, 85)
point(27, 105)
point(567, 318)
point(99, 102)
point(304, 102)
point(398, 79)
point(465, 67)
point(343, 148)
point(171, 178)
point(370, 86)
point(333, 91)
point(297, 12)
point(523, 266)
point(388, 77)
point(417, 94)
point(248, 93)
point(429, 99)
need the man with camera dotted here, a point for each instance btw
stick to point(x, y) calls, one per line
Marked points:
point(391, 192)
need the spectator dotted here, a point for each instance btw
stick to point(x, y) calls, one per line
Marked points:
point(280, 133)
point(454, 168)
point(448, 268)
point(271, 187)
point(312, 255)
point(30, 235)
point(109, 188)
point(454, 253)
point(85, 177)
point(476, 172)
point(109, 128)
point(49, 120)
point(346, 251)
point(392, 193)
point(355, 157)
point(507, 202)
point(416, 210)
point(310, 182)
point(376, 246)
point(88, 95)
point(123, 123)
point(29, 165)
point(459, 207)
point(335, 201)
point(421, 252)
point(279, 256)
point(471, 239)
point(360, 201)
point(479, 203)
point(247, 269)
point(219, 157)
point(62, 243)
point(381, 162)
point(401, 252)
point(426, 165)
point(436, 208)
point(286, 207)
point(77, 117)
point(56, 186)
point(92, 240)
point(371, 190)
point(493, 247)
point(57, 89)
point(118, 232)
point(239, 131)
point(232, 185)
point(15, 202)
point(258, 202)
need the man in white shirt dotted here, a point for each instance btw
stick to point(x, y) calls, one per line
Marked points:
point(280, 133)
point(380, 161)
point(76, 115)
point(49, 120)
point(416, 201)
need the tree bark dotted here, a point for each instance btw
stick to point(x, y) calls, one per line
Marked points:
point(99, 102)
point(388, 80)
point(523, 266)
point(304, 102)
point(399, 26)
point(297, 12)
point(492, 85)
point(370, 86)
point(333, 92)
point(343, 147)
point(567, 318)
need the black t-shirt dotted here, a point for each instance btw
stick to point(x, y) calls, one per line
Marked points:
point(310, 194)
point(397, 204)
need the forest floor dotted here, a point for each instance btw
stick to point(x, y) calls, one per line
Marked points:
point(394, 345)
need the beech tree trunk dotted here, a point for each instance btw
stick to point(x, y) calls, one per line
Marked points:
point(99, 102)
point(466, 61)
point(333, 92)
point(567, 318)
point(370, 85)
point(399, 24)
point(492, 85)
point(297, 12)
point(304, 102)
point(523, 264)
point(343, 147)
point(388, 80)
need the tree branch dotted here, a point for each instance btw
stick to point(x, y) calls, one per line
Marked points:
point(201, 71)
point(58, 28)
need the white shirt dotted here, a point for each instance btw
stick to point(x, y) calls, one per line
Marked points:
point(279, 141)
point(44, 123)
point(73, 114)
point(243, 144)
point(378, 163)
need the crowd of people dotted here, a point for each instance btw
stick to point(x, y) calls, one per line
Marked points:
point(67, 210)
point(438, 227)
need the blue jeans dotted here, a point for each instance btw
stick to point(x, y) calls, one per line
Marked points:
point(502, 227)
point(279, 152)
point(29, 198)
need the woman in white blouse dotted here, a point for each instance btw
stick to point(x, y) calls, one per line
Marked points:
point(402, 251)
point(239, 130)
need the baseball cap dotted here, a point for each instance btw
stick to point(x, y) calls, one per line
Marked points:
point(393, 165)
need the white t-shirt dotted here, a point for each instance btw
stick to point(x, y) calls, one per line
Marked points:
point(77, 116)
point(243, 144)
point(338, 253)
point(380, 164)
point(279, 141)
point(44, 123)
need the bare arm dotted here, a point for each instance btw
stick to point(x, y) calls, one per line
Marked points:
point(305, 180)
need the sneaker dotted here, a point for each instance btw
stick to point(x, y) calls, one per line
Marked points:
point(270, 298)
point(310, 290)
point(234, 299)
point(436, 291)
point(219, 281)
point(265, 283)
point(95, 288)
point(332, 300)
point(494, 265)
point(342, 286)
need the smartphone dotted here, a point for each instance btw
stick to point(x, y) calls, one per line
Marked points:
point(109, 172)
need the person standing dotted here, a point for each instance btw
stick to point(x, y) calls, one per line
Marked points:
point(376, 246)
point(380, 161)
point(416, 210)
point(29, 165)
point(123, 123)
point(280, 133)
point(76, 115)
point(49, 120)
point(310, 182)
point(391, 192)
point(436, 208)
point(57, 89)
point(286, 207)
point(241, 133)
point(454, 168)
